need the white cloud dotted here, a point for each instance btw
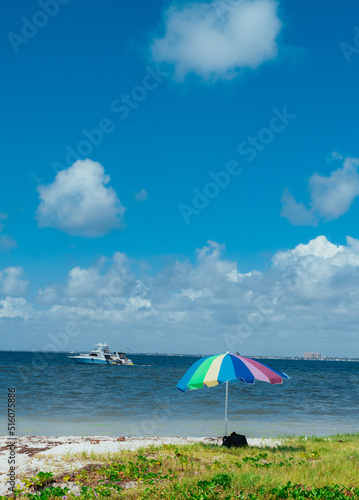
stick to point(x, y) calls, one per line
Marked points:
point(138, 303)
point(47, 295)
point(297, 213)
point(306, 299)
point(3, 217)
point(82, 281)
point(195, 294)
point(321, 272)
point(331, 197)
point(335, 156)
point(141, 195)
point(102, 283)
point(11, 283)
point(79, 202)
point(6, 241)
point(319, 248)
point(237, 277)
point(11, 307)
point(216, 39)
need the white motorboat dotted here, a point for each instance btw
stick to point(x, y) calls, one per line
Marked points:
point(101, 355)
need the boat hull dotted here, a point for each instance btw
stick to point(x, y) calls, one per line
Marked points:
point(90, 361)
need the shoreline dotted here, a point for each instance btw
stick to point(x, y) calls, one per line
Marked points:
point(60, 454)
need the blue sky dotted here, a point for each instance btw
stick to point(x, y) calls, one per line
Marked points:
point(230, 70)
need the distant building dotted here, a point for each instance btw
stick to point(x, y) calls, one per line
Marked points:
point(312, 355)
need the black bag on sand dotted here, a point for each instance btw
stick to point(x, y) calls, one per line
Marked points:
point(236, 440)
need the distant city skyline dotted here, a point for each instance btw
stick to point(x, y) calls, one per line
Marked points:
point(180, 177)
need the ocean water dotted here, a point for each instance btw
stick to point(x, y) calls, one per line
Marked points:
point(56, 396)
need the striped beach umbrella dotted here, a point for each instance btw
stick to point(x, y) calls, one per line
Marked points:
point(224, 368)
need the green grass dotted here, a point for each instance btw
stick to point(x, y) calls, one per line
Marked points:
point(313, 468)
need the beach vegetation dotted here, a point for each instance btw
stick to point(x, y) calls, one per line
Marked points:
point(298, 468)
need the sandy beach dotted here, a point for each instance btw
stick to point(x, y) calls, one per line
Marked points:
point(62, 454)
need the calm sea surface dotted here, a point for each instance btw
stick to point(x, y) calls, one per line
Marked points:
point(56, 396)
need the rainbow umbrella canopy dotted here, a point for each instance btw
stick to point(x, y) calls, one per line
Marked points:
point(224, 368)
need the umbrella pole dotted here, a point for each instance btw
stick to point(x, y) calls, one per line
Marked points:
point(225, 411)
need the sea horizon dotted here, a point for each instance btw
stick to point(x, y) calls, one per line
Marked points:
point(60, 397)
point(199, 355)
